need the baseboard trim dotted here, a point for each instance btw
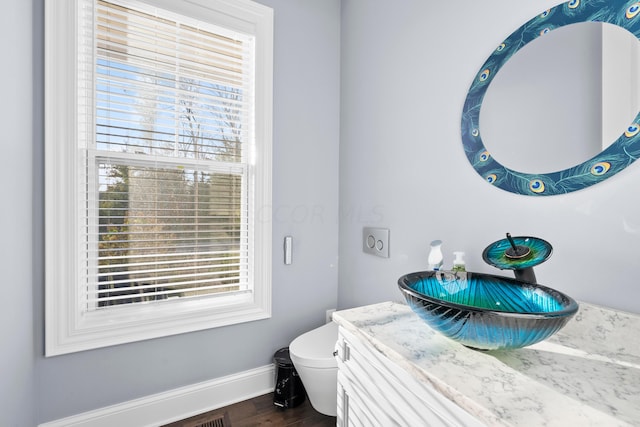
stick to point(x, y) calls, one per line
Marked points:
point(177, 404)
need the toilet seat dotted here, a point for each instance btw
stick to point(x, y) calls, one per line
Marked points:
point(315, 348)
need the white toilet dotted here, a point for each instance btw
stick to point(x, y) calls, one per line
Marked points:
point(312, 356)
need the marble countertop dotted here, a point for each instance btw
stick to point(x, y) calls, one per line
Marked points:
point(587, 374)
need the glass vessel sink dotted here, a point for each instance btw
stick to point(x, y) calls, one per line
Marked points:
point(484, 311)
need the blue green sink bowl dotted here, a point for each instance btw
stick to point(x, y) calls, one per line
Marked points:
point(484, 311)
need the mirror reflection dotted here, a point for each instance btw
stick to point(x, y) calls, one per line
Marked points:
point(562, 98)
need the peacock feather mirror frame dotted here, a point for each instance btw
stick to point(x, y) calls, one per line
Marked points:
point(620, 154)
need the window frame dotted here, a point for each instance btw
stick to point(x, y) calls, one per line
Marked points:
point(69, 328)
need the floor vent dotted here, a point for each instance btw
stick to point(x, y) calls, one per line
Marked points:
point(213, 421)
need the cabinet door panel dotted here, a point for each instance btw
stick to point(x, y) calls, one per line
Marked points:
point(359, 410)
point(402, 399)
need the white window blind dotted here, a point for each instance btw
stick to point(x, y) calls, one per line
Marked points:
point(168, 159)
point(156, 166)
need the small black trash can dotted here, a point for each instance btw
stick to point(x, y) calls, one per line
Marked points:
point(289, 391)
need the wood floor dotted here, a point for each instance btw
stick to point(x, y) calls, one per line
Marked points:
point(260, 411)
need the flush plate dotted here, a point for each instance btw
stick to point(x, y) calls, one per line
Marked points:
point(375, 241)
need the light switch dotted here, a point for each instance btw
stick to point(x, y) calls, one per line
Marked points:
point(288, 248)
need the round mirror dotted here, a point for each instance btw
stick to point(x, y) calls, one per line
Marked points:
point(558, 114)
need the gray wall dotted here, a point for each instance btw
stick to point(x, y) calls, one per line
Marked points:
point(17, 319)
point(305, 205)
point(406, 69)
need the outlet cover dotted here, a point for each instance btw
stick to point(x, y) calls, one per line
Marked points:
point(328, 314)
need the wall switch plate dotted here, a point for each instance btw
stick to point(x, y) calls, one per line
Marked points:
point(375, 241)
point(288, 249)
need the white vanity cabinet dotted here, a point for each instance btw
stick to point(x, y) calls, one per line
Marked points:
point(374, 391)
point(393, 370)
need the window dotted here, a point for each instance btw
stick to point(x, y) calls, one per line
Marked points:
point(158, 160)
